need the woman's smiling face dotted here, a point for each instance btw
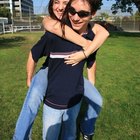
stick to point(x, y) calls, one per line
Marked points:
point(59, 7)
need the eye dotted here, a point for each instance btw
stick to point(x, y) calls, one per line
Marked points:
point(72, 11)
point(66, 2)
point(56, 2)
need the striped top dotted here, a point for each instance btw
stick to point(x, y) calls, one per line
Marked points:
point(65, 82)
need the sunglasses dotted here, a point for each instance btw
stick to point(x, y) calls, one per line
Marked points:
point(81, 13)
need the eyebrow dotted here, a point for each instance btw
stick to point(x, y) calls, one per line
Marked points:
point(80, 10)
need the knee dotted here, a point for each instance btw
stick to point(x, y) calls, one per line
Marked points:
point(34, 101)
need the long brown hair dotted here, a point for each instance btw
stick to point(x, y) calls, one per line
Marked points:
point(53, 16)
point(50, 10)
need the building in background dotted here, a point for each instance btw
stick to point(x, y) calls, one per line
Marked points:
point(18, 8)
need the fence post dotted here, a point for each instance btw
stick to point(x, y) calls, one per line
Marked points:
point(121, 21)
point(134, 23)
point(3, 26)
point(30, 24)
point(12, 26)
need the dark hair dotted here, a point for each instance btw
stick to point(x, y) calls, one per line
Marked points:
point(94, 6)
point(50, 10)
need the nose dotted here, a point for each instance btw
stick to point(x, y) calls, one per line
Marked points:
point(61, 7)
point(76, 17)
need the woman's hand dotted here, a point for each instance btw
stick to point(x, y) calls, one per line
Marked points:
point(75, 58)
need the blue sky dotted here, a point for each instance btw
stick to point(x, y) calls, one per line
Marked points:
point(40, 5)
point(45, 2)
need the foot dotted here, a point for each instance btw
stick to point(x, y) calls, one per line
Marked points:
point(87, 137)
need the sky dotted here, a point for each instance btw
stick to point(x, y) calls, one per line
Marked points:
point(45, 2)
point(40, 6)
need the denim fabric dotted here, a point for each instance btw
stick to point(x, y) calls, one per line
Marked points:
point(31, 105)
point(35, 96)
point(94, 104)
point(56, 119)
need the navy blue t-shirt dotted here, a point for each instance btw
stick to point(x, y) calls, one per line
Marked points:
point(65, 82)
point(39, 49)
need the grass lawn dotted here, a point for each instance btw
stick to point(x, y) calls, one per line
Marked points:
point(118, 80)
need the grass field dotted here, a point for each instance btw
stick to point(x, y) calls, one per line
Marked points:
point(118, 80)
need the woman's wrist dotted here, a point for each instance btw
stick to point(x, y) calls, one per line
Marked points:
point(84, 54)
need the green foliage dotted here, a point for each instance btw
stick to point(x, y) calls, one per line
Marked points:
point(39, 19)
point(4, 12)
point(104, 15)
point(137, 16)
point(118, 80)
point(125, 5)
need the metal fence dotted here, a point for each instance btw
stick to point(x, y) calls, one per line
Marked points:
point(33, 23)
point(131, 24)
point(30, 23)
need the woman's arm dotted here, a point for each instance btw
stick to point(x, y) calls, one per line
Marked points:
point(101, 35)
point(54, 26)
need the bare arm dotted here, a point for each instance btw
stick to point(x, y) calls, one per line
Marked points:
point(30, 68)
point(91, 73)
point(101, 35)
point(54, 26)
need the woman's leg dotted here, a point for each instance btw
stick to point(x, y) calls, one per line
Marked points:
point(69, 123)
point(52, 119)
point(33, 99)
point(94, 101)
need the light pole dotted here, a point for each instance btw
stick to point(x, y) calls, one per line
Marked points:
point(12, 18)
point(30, 24)
point(12, 23)
point(3, 26)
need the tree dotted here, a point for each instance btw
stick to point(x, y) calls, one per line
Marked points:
point(137, 16)
point(4, 12)
point(125, 5)
point(104, 16)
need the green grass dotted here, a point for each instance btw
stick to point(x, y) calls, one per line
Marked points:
point(118, 80)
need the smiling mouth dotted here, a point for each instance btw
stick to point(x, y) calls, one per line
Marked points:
point(60, 13)
point(76, 24)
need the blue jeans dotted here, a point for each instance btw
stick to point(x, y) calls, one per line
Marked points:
point(94, 103)
point(31, 105)
point(55, 120)
point(35, 96)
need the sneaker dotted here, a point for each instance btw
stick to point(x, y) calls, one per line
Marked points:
point(87, 137)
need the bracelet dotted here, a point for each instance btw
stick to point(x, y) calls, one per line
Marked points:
point(84, 53)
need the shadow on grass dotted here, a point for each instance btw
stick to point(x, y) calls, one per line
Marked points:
point(6, 43)
point(124, 34)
